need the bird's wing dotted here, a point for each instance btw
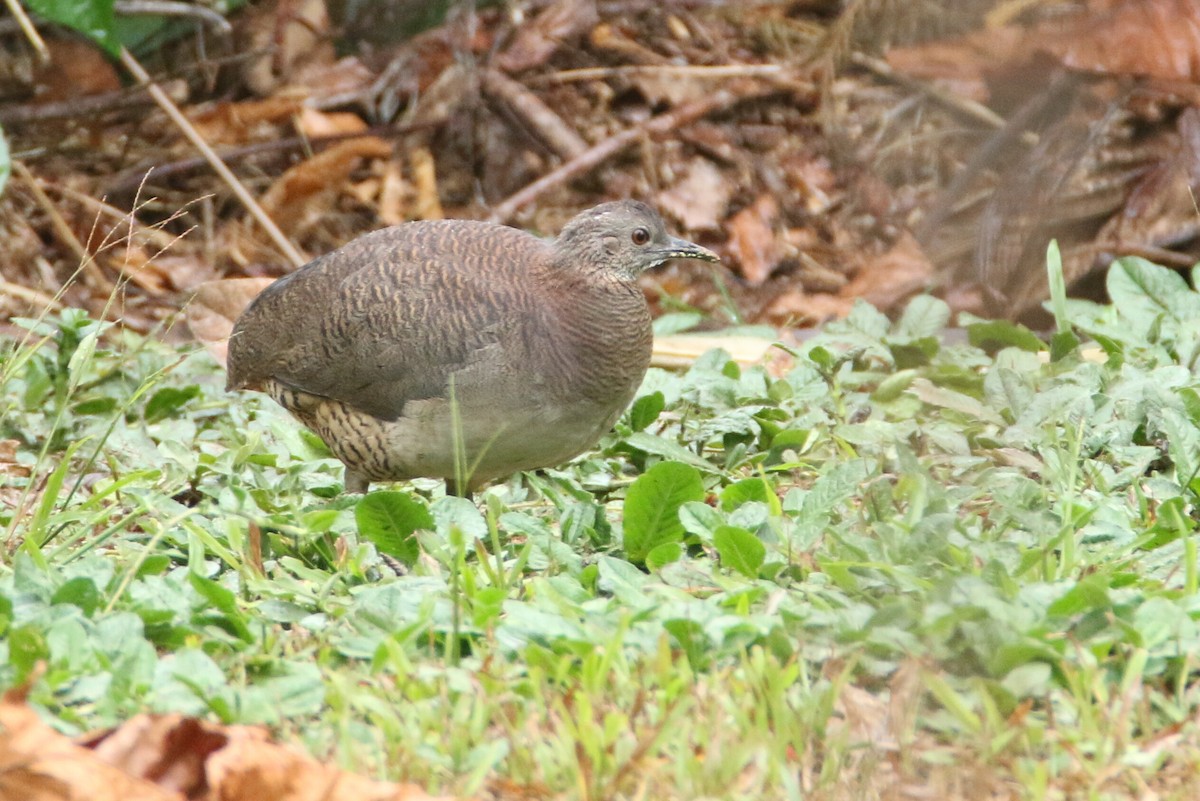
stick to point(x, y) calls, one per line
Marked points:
point(388, 318)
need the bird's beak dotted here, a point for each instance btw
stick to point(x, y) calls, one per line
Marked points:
point(682, 249)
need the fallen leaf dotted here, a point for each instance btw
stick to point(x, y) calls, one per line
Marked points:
point(314, 123)
point(891, 277)
point(215, 307)
point(1154, 38)
point(245, 121)
point(700, 199)
point(75, 69)
point(752, 239)
point(39, 764)
point(537, 40)
point(296, 196)
point(795, 308)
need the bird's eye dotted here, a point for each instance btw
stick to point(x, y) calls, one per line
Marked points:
point(640, 236)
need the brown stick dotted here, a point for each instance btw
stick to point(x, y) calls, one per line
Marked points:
point(88, 106)
point(602, 151)
point(189, 130)
point(534, 114)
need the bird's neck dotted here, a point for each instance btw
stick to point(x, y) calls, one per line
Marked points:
point(605, 329)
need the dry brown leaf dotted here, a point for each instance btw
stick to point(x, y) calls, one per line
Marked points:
point(1154, 38)
point(249, 768)
point(391, 194)
point(536, 41)
point(39, 764)
point(424, 172)
point(8, 459)
point(290, 34)
point(962, 65)
point(700, 199)
point(75, 69)
point(291, 199)
point(215, 307)
point(315, 124)
point(752, 239)
point(169, 750)
point(198, 759)
point(794, 308)
point(246, 121)
point(887, 279)
point(671, 87)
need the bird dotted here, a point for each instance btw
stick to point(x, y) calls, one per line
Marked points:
point(459, 349)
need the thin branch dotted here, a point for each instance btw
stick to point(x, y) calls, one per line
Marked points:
point(28, 28)
point(602, 151)
point(239, 189)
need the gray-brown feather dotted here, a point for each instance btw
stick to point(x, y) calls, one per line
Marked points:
point(441, 348)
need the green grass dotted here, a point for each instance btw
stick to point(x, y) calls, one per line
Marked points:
point(905, 566)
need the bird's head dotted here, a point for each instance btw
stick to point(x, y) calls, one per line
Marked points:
point(622, 239)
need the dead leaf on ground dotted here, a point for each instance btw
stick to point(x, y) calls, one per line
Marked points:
point(890, 277)
point(39, 764)
point(536, 41)
point(290, 35)
point(295, 196)
point(8, 459)
point(962, 65)
point(315, 124)
point(215, 307)
point(796, 308)
point(246, 121)
point(1154, 38)
point(168, 758)
point(672, 87)
point(700, 199)
point(752, 239)
point(74, 69)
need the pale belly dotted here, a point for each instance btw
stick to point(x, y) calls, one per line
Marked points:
point(479, 439)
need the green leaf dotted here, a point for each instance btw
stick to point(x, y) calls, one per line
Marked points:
point(748, 489)
point(668, 449)
point(994, 335)
point(388, 519)
point(646, 410)
point(79, 591)
point(676, 323)
point(93, 18)
point(652, 507)
point(168, 400)
point(663, 555)
point(1142, 291)
point(1058, 287)
point(740, 549)
point(924, 316)
point(224, 602)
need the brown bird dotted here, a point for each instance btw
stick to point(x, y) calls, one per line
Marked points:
point(457, 349)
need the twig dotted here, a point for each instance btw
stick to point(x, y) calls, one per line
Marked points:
point(534, 114)
point(130, 178)
point(27, 28)
point(88, 106)
point(683, 70)
point(31, 296)
point(963, 105)
point(171, 8)
point(61, 229)
point(243, 194)
point(600, 152)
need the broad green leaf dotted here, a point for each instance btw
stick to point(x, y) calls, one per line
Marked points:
point(389, 519)
point(652, 507)
point(93, 18)
point(740, 549)
point(645, 410)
